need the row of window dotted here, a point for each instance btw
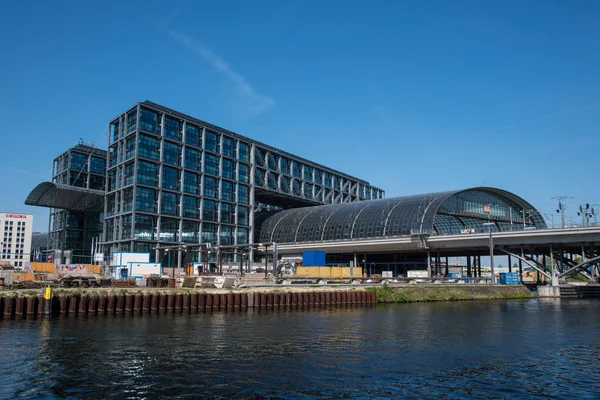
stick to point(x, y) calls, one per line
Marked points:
point(10, 223)
point(147, 227)
point(173, 129)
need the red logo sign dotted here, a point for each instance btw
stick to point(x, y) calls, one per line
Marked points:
point(15, 216)
point(486, 209)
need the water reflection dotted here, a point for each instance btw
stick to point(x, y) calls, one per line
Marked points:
point(492, 349)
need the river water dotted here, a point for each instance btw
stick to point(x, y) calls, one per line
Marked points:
point(516, 349)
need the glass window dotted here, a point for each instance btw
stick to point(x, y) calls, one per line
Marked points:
point(243, 194)
point(296, 188)
point(147, 173)
point(193, 159)
point(227, 213)
point(308, 173)
point(259, 177)
point(193, 135)
point(272, 179)
point(132, 120)
point(97, 182)
point(319, 177)
point(244, 152)
point(129, 173)
point(286, 184)
point(211, 187)
point(130, 147)
point(171, 153)
point(308, 190)
point(191, 183)
point(170, 178)
point(227, 190)
point(79, 179)
point(128, 200)
point(228, 170)
point(209, 233)
point(145, 227)
point(146, 199)
point(169, 203)
point(226, 235)
point(169, 229)
point(285, 166)
point(211, 141)
point(114, 131)
point(273, 161)
point(78, 160)
point(211, 164)
point(243, 173)
point(149, 121)
point(228, 147)
point(242, 235)
point(98, 164)
point(172, 129)
point(126, 226)
point(190, 232)
point(210, 210)
point(259, 156)
point(191, 207)
point(149, 147)
point(297, 170)
point(243, 215)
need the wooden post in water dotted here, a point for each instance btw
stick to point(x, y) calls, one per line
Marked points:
point(229, 301)
point(19, 305)
point(30, 306)
point(93, 304)
point(170, 302)
point(209, 302)
point(201, 301)
point(8, 305)
point(83, 303)
point(178, 302)
point(73, 303)
point(40, 305)
point(102, 300)
point(128, 303)
point(137, 302)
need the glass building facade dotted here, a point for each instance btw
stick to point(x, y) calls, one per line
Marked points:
point(172, 178)
point(445, 213)
point(84, 167)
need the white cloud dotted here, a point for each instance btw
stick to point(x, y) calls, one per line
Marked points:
point(254, 103)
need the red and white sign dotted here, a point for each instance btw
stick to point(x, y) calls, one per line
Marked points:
point(16, 216)
point(486, 209)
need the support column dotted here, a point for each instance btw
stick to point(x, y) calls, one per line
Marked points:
point(469, 267)
point(509, 264)
point(446, 272)
point(428, 263)
point(479, 266)
point(438, 267)
point(521, 265)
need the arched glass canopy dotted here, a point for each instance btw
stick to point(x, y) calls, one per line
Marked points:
point(444, 213)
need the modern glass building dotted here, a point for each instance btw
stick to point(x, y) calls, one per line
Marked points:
point(172, 179)
point(447, 213)
point(82, 167)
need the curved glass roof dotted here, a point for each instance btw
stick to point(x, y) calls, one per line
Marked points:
point(48, 194)
point(443, 213)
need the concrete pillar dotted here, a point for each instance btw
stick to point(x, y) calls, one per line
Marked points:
point(428, 263)
point(469, 266)
point(446, 272)
point(509, 264)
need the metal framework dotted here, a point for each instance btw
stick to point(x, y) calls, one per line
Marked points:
point(462, 211)
point(174, 179)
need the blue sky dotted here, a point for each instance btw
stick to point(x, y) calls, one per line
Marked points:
point(414, 97)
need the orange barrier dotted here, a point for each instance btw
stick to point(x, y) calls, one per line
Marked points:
point(41, 267)
point(23, 276)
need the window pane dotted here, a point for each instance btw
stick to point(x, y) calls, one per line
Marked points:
point(149, 121)
point(170, 178)
point(172, 129)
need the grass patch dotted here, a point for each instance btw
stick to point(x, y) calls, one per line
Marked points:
point(388, 294)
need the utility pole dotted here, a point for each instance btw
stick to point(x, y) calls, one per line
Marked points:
point(550, 217)
point(561, 208)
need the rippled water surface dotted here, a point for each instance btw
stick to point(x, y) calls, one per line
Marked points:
point(459, 350)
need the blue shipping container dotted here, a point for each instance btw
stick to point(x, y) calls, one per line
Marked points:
point(313, 258)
